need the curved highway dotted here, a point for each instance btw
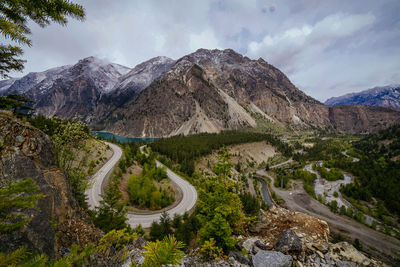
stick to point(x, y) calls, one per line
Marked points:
point(189, 193)
point(94, 192)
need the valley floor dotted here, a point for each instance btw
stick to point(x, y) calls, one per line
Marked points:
point(376, 243)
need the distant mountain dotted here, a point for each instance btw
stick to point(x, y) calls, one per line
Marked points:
point(137, 79)
point(206, 91)
point(386, 96)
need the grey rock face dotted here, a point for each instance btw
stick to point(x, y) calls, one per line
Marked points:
point(345, 264)
point(140, 242)
point(271, 259)
point(260, 245)
point(28, 153)
point(248, 244)
point(239, 257)
point(288, 241)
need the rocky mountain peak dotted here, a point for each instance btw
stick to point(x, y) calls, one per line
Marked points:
point(219, 58)
point(141, 76)
point(32, 79)
point(378, 96)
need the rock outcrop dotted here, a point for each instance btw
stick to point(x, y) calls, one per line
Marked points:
point(265, 258)
point(26, 152)
point(288, 241)
point(304, 238)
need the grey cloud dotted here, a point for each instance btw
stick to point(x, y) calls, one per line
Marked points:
point(325, 47)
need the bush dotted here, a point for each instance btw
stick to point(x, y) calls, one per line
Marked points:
point(209, 251)
point(251, 205)
point(145, 194)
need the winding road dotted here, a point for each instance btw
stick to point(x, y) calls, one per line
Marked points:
point(187, 203)
point(376, 243)
point(94, 192)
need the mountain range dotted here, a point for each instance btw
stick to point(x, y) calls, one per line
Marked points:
point(205, 91)
point(387, 96)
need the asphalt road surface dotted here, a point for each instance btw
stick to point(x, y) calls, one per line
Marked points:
point(94, 192)
point(187, 203)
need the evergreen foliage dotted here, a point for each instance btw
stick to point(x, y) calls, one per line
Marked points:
point(377, 174)
point(209, 250)
point(333, 174)
point(186, 149)
point(14, 19)
point(251, 205)
point(111, 214)
point(14, 198)
point(162, 229)
point(163, 253)
point(144, 193)
point(19, 105)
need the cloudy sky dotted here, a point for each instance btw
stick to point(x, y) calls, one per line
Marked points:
point(326, 47)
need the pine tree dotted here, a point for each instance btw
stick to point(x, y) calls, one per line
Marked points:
point(14, 18)
point(15, 103)
point(14, 198)
point(111, 214)
point(163, 253)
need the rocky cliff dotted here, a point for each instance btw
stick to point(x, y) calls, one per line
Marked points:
point(362, 119)
point(26, 152)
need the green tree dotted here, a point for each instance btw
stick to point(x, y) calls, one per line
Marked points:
point(209, 250)
point(14, 19)
point(69, 137)
point(160, 230)
point(114, 245)
point(15, 103)
point(357, 244)
point(223, 166)
point(251, 205)
point(111, 214)
point(333, 206)
point(14, 198)
point(342, 210)
point(218, 229)
point(163, 253)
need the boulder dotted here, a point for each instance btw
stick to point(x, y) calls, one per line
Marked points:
point(140, 242)
point(239, 257)
point(265, 258)
point(320, 247)
point(345, 264)
point(248, 244)
point(346, 252)
point(260, 245)
point(288, 241)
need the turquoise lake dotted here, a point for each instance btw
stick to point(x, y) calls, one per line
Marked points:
point(121, 139)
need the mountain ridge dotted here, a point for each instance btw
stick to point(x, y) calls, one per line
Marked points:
point(205, 91)
point(388, 96)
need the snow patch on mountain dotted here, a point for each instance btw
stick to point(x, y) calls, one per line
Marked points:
point(22, 85)
point(143, 74)
point(377, 96)
point(5, 84)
